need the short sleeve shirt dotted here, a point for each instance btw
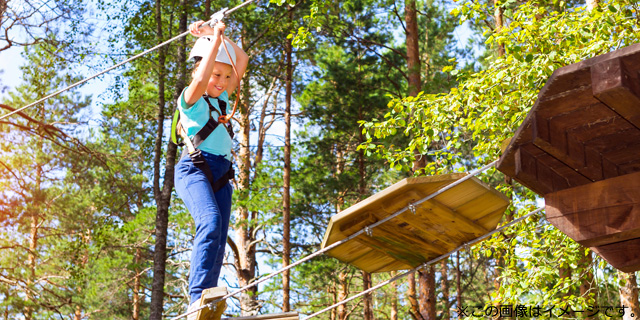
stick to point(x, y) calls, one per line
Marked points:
point(193, 118)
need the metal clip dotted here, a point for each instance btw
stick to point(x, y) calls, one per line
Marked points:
point(368, 231)
point(412, 208)
point(218, 16)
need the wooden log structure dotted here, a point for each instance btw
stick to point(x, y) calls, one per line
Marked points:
point(579, 147)
point(438, 226)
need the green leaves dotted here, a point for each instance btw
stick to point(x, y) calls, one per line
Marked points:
point(529, 57)
point(467, 124)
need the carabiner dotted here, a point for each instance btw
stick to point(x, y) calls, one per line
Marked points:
point(218, 16)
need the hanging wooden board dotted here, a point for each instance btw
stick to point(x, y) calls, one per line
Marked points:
point(438, 226)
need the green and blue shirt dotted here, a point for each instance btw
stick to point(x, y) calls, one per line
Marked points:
point(193, 118)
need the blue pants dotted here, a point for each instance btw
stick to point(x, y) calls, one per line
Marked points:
point(211, 212)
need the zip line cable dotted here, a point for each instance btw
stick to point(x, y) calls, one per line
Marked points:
point(367, 229)
point(426, 264)
point(226, 12)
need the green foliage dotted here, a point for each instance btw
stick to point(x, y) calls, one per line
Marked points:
point(41, 241)
point(470, 122)
point(348, 84)
point(487, 106)
point(92, 198)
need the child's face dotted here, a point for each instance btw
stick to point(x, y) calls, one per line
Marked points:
point(219, 79)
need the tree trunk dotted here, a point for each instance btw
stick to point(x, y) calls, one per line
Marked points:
point(413, 47)
point(368, 305)
point(78, 313)
point(339, 169)
point(498, 15)
point(629, 295)
point(334, 295)
point(246, 250)
point(428, 293)
point(86, 240)
point(33, 232)
point(458, 282)
point(362, 191)
point(31, 262)
point(162, 216)
point(163, 195)
point(343, 292)
point(394, 298)
point(444, 286)
point(136, 285)
point(286, 196)
point(415, 86)
point(245, 260)
point(413, 298)
point(343, 286)
point(500, 263)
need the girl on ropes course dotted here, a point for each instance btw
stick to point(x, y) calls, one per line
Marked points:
point(202, 178)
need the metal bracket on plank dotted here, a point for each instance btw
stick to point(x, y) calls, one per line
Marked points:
point(412, 208)
point(368, 231)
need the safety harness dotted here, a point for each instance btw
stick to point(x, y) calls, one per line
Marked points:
point(192, 144)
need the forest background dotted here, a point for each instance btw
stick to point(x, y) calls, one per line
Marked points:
point(375, 90)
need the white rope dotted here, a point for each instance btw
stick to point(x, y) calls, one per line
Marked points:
point(412, 271)
point(115, 66)
point(335, 244)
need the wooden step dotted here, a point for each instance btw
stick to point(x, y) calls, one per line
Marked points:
point(209, 295)
point(275, 316)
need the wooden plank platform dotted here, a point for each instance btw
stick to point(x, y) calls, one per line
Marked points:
point(585, 126)
point(439, 225)
point(278, 316)
point(580, 148)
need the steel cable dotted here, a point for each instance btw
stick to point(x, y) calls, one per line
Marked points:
point(345, 240)
point(116, 65)
point(426, 264)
